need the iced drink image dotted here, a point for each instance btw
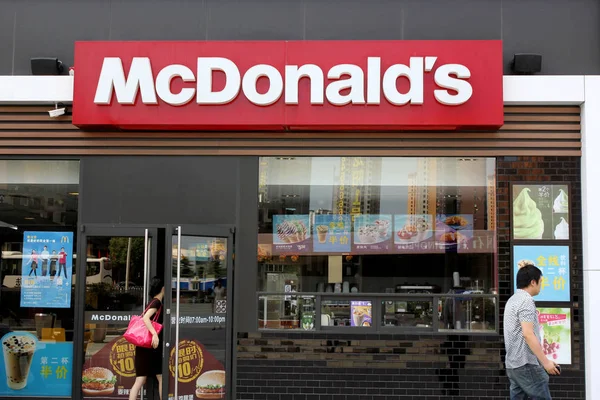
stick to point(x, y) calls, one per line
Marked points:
point(358, 316)
point(322, 233)
point(18, 352)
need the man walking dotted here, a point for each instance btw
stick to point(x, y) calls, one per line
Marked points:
point(527, 367)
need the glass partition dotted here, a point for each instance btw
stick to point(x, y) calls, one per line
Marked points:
point(393, 226)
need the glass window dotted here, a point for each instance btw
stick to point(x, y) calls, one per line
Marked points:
point(390, 228)
point(38, 221)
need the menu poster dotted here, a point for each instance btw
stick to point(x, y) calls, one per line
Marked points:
point(555, 331)
point(361, 313)
point(33, 367)
point(332, 233)
point(555, 266)
point(454, 231)
point(46, 272)
point(116, 360)
point(372, 233)
point(291, 233)
point(413, 233)
point(540, 212)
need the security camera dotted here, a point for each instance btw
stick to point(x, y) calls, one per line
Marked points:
point(59, 110)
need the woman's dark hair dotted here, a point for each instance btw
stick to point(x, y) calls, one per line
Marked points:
point(156, 285)
point(527, 274)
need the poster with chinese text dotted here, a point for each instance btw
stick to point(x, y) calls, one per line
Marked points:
point(332, 233)
point(554, 261)
point(34, 367)
point(555, 331)
point(291, 233)
point(372, 233)
point(361, 313)
point(541, 212)
point(47, 266)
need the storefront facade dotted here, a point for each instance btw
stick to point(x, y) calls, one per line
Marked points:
point(367, 258)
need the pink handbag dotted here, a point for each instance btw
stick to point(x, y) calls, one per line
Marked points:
point(138, 334)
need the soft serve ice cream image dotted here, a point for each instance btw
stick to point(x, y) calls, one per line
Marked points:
point(562, 230)
point(527, 218)
point(561, 203)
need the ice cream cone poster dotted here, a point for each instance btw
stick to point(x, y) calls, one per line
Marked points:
point(33, 367)
point(555, 266)
point(291, 233)
point(332, 233)
point(555, 331)
point(372, 233)
point(541, 212)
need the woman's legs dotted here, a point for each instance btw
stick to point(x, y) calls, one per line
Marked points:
point(137, 385)
point(159, 379)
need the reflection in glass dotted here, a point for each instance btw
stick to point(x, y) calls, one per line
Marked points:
point(407, 313)
point(356, 313)
point(286, 312)
point(468, 313)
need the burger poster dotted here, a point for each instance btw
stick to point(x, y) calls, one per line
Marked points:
point(110, 373)
point(555, 331)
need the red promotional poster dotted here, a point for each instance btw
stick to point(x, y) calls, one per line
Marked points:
point(110, 373)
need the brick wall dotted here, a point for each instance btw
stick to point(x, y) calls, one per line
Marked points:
point(330, 366)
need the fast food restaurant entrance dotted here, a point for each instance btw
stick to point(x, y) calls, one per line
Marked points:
point(195, 262)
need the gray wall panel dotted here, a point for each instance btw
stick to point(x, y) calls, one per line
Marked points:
point(145, 190)
point(452, 20)
point(353, 20)
point(158, 20)
point(255, 20)
point(48, 28)
point(8, 11)
point(566, 33)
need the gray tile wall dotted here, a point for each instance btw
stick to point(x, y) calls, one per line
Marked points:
point(565, 32)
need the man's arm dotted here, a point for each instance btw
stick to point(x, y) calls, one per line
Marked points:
point(536, 347)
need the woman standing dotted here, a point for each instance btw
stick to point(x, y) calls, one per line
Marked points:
point(33, 260)
point(148, 362)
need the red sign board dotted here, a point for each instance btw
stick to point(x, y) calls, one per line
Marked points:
point(303, 85)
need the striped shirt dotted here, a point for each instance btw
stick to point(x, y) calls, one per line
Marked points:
point(519, 308)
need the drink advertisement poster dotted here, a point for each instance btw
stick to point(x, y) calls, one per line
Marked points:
point(362, 314)
point(540, 212)
point(199, 372)
point(554, 263)
point(413, 232)
point(291, 233)
point(33, 367)
point(372, 233)
point(555, 331)
point(332, 233)
point(47, 267)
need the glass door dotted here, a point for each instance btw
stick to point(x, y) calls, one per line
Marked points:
point(198, 338)
point(113, 283)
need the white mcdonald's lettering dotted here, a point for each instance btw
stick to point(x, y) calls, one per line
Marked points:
point(451, 79)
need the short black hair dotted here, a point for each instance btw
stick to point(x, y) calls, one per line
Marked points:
point(156, 285)
point(527, 274)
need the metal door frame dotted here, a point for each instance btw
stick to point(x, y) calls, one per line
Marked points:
point(219, 231)
point(100, 230)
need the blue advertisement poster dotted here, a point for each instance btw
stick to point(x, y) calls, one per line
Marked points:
point(554, 263)
point(291, 233)
point(332, 233)
point(31, 367)
point(46, 272)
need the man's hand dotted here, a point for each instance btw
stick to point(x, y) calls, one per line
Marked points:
point(550, 367)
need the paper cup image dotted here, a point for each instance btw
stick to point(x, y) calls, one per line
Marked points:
point(358, 317)
point(18, 349)
point(322, 233)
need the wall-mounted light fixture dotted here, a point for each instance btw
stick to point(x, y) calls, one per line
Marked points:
point(46, 66)
point(526, 63)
